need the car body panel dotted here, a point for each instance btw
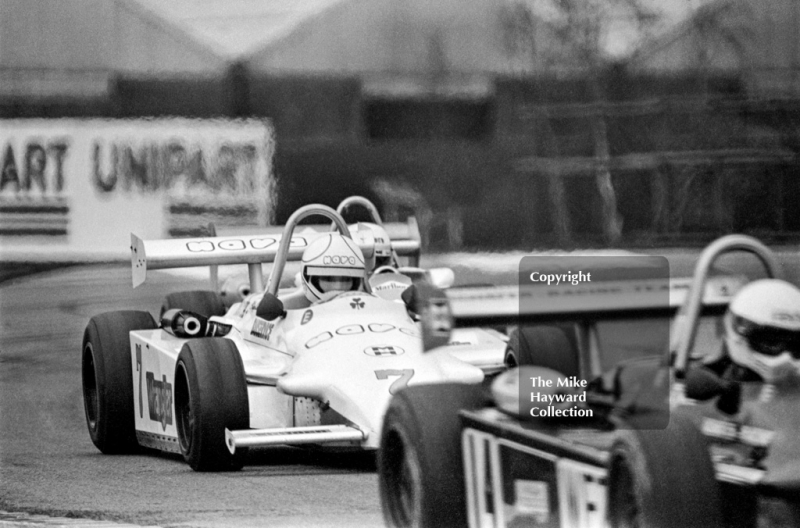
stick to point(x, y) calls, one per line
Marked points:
point(347, 355)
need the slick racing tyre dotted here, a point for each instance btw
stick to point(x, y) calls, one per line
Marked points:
point(107, 379)
point(549, 346)
point(210, 396)
point(662, 478)
point(420, 470)
point(202, 302)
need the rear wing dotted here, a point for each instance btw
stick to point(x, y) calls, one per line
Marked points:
point(405, 236)
point(252, 248)
point(406, 239)
point(445, 310)
point(213, 251)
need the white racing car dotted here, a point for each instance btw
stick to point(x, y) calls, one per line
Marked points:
point(210, 383)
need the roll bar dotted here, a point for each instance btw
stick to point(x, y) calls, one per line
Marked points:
point(286, 238)
point(693, 304)
point(365, 203)
point(376, 219)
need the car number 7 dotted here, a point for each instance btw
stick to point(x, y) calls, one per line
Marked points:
point(404, 376)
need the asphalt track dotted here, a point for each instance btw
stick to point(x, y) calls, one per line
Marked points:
point(48, 464)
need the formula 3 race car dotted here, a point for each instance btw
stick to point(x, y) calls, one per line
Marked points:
point(210, 383)
point(656, 452)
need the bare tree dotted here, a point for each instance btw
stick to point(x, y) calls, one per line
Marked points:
point(580, 38)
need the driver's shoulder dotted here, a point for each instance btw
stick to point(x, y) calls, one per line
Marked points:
point(295, 300)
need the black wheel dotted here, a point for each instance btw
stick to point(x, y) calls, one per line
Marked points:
point(107, 379)
point(550, 346)
point(663, 478)
point(420, 470)
point(201, 302)
point(210, 396)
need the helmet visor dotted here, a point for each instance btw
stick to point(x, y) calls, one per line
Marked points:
point(768, 340)
point(331, 283)
point(383, 261)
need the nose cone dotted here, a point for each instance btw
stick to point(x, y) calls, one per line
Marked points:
point(360, 389)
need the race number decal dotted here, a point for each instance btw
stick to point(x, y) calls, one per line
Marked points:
point(404, 376)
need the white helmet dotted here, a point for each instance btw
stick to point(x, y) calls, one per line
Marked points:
point(331, 263)
point(382, 255)
point(762, 329)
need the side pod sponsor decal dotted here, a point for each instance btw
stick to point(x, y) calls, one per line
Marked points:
point(159, 400)
point(262, 329)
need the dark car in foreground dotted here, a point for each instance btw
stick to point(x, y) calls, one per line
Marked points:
point(664, 440)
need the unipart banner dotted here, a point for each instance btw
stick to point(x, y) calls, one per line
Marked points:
point(84, 185)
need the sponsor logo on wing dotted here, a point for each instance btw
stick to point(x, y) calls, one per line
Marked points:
point(159, 400)
point(384, 350)
point(262, 329)
point(234, 244)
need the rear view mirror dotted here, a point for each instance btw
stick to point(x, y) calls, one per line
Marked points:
point(702, 384)
point(270, 307)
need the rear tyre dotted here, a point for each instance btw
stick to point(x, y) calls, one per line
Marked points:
point(549, 346)
point(107, 379)
point(662, 478)
point(202, 302)
point(420, 469)
point(210, 396)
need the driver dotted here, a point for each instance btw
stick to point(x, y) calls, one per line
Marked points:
point(332, 264)
point(762, 329)
point(387, 283)
point(383, 254)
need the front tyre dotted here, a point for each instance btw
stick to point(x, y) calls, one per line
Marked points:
point(210, 396)
point(420, 469)
point(107, 379)
point(547, 346)
point(662, 478)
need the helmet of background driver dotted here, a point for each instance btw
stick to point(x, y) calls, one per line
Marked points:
point(331, 264)
point(762, 329)
point(382, 255)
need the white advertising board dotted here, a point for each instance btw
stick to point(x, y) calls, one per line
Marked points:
point(79, 187)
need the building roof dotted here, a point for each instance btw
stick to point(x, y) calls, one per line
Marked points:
point(235, 28)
